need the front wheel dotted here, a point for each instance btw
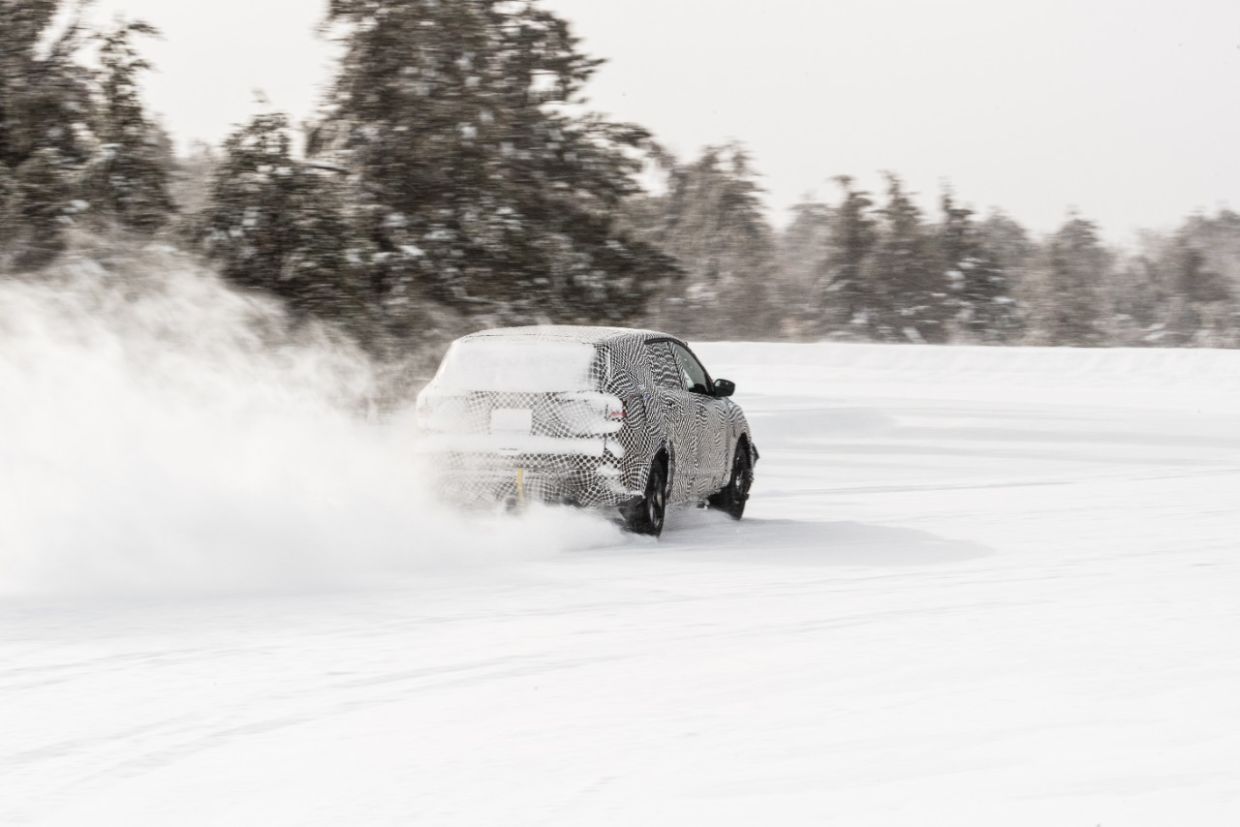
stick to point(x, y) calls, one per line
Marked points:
point(647, 515)
point(731, 500)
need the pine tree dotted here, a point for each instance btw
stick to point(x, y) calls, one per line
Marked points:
point(8, 205)
point(275, 224)
point(479, 186)
point(44, 127)
point(1211, 275)
point(801, 250)
point(44, 97)
point(1076, 269)
point(128, 177)
point(43, 193)
point(844, 294)
point(712, 222)
point(980, 293)
point(908, 295)
point(1182, 288)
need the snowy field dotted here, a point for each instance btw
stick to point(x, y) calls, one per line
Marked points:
point(975, 587)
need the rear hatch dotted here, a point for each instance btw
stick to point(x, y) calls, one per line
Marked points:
point(527, 395)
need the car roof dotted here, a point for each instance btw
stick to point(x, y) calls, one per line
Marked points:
point(583, 334)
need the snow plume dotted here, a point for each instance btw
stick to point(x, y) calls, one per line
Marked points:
point(159, 431)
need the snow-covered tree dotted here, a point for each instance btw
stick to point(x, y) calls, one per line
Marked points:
point(45, 134)
point(1075, 270)
point(482, 184)
point(844, 294)
point(802, 248)
point(907, 290)
point(1182, 288)
point(980, 292)
point(127, 178)
point(276, 224)
point(43, 199)
point(712, 222)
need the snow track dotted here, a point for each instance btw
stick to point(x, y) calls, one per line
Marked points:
point(992, 587)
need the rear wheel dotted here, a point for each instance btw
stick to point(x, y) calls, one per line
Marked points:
point(731, 500)
point(647, 515)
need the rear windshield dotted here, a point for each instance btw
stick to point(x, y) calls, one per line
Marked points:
point(511, 365)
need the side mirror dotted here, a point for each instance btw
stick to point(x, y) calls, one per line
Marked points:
point(724, 388)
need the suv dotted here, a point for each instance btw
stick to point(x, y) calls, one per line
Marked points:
point(589, 416)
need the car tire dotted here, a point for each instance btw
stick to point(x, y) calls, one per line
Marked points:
point(648, 514)
point(731, 500)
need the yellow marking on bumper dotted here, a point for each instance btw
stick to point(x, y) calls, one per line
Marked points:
point(521, 486)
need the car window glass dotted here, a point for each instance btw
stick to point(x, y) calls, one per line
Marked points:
point(663, 366)
point(691, 371)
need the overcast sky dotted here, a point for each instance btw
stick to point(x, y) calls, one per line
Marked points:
point(1124, 109)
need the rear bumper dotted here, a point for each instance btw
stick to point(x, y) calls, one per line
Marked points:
point(587, 474)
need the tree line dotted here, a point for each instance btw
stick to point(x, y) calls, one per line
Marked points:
point(455, 178)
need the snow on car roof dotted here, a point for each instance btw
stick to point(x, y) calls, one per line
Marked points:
point(584, 334)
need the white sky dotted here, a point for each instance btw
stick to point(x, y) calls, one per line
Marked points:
point(1125, 109)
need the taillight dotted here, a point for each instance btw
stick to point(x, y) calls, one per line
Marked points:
point(591, 412)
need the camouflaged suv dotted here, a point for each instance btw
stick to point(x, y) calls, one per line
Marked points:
point(591, 416)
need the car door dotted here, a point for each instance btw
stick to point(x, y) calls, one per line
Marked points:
point(678, 413)
point(710, 423)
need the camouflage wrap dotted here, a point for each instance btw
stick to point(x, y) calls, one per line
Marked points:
point(643, 394)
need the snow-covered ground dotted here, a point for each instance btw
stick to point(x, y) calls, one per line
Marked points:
point(975, 587)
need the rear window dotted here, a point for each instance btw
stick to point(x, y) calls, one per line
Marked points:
point(513, 365)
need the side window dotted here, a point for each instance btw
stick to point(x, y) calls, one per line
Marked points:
point(691, 371)
point(663, 366)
